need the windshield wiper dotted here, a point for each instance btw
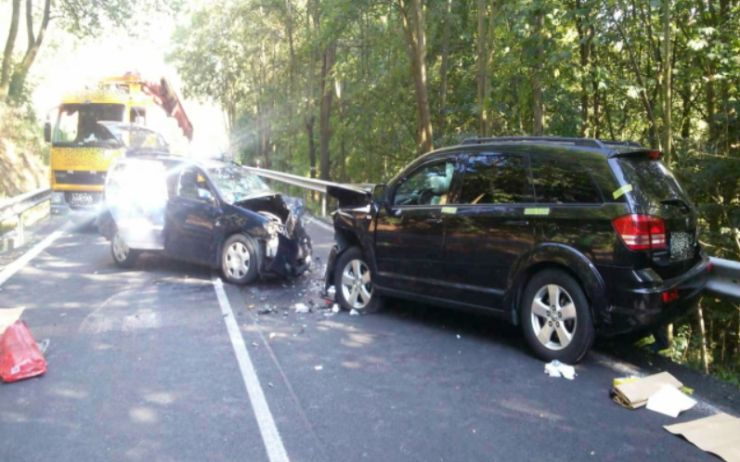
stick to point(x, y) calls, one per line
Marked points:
point(676, 201)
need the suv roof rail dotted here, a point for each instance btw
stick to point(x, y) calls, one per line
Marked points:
point(585, 142)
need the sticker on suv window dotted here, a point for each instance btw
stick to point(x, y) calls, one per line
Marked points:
point(622, 191)
point(543, 211)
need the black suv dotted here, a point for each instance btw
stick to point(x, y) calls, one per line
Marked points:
point(567, 237)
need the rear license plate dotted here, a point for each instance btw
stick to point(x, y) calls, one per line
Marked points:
point(682, 246)
point(81, 199)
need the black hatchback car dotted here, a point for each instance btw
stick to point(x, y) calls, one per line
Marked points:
point(212, 213)
point(566, 237)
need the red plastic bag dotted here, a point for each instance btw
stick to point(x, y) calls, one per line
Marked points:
point(20, 357)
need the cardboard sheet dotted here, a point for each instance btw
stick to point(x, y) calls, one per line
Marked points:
point(635, 394)
point(718, 434)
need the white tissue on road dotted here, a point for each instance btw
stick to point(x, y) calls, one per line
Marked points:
point(301, 308)
point(318, 368)
point(557, 369)
point(669, 401)
point(335, 308)
point(354, 312)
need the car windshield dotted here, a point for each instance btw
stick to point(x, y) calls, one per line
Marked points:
point(136, 137)
point(235, 184)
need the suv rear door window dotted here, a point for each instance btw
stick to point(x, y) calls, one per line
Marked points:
point(560, 183)
point(495, 179)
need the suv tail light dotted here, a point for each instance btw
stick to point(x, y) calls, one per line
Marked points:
point(641, 232)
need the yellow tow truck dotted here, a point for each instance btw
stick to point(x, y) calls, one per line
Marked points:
point(80, 154)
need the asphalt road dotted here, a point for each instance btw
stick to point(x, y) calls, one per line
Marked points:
point(142, 367)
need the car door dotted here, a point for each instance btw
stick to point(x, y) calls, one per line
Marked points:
point(410, 232)
point(488, 230)
point(192, 214)
point(136, 197)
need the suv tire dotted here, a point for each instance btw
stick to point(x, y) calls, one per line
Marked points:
point(240, 259)
point(353, 282)
point(556, 317)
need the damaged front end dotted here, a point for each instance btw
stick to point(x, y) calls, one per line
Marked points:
point(285, 245)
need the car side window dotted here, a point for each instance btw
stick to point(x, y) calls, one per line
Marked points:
point(495, 179)
point(559, 183)
point(193, 185)
point(429, 185)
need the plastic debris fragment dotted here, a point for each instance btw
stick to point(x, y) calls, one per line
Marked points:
point(557, 369)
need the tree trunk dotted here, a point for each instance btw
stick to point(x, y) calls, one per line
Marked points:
point(483, 61)
point(412, 17)
point(9, 46)
point(538, 116)
point(585, 38)
point(443, 68)
point(703, 338)
point(310, 122)
point(666, 61)
point(21, 71)
point(327, 98)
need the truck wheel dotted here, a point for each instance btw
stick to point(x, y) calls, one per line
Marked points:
point(123, 256)
point(556, 317)
point(353, 282)
point(240, 260)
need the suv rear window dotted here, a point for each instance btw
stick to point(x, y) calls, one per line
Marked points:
point(651, 181)
point(559, 183)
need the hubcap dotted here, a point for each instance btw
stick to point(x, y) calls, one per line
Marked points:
point(120, 249)
point(553, 317)
point(236, 261)
point(357, 287)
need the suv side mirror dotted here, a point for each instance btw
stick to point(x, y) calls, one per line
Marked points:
point(380, 196)
point(47, 132)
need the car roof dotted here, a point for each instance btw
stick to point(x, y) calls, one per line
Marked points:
point(544, 145)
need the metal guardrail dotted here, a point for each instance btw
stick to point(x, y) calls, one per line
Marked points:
point(13, 209)
point(311, 184)
point(724, 281)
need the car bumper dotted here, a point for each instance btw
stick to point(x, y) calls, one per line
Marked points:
point(293, 257)
point(637, 298)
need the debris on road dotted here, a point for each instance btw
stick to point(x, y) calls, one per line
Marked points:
point(301, 308)
point(634, 393)
point(670, 401)
point(43, 345)
point(335, 308)
point(272, 335)
point(20, 357)
point(318, 368)
point(557, 369)
point(266, 310)
point(459, 336)
point(354, 312)
point(717, 434)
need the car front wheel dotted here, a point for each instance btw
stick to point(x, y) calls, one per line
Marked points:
point(353, 282)
point(123, 256)
point(240, 259)
point(556, 317)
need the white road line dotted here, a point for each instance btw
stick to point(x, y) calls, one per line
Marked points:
point(23, 260)
point(270, 435)
point(320, 224)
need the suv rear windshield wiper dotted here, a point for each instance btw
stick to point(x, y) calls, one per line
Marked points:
point(676, 201)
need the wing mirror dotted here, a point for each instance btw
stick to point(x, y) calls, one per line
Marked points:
point(206, 195)
point(47, 132)
point(380, 196)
